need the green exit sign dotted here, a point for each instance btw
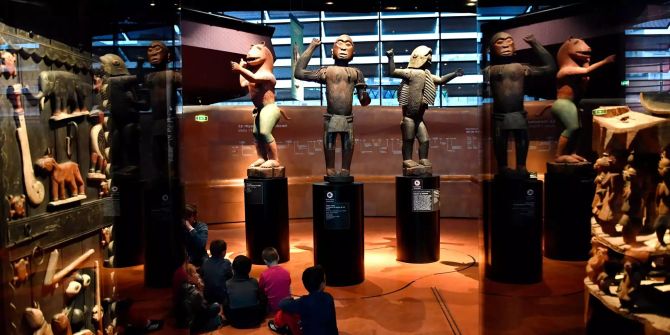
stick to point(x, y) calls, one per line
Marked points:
point(201, 118)
point(625, 83)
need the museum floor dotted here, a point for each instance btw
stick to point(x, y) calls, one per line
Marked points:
point(446, 297)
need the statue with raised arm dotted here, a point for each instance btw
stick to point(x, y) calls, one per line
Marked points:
point(256, 75)
point(416, 91)
point(506, 78)
point(574, 62)
point(340, 80)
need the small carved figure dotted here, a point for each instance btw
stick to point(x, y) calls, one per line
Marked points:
point(20, 271)
point(36, 321)
point(256, 75)
point(7, 64)
point(65, 92)
point(103, 191)
point(638, 196)
point(17, 206)
point(506, 78)
point(610, 188)
point(574, 63)
point(340, 80)
point(60, 324)
point(63, 175)
point(415, 93)
point(635, 267)
point(595, 267)
point(98, 145)
point(662, 223)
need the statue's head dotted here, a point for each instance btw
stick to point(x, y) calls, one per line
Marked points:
point(574, 49)
point(421, 57)
point(158, 54)
point(502, 45)
point(343, 48)
point(113, 65)
point(259, 54)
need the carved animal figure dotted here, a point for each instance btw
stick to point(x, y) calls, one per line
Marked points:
point(63, 175)
point(64, 91)
point(574, 63)
point(662, 223)
point(17, 206)
point(256, 75)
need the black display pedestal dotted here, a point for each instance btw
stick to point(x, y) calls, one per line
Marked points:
point(513, 229)
point(266, 217)
point(128, 231)
point(338, 232)
point(417, 218)
point(567, 223)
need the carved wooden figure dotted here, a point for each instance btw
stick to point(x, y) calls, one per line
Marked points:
point(662, 223)
point(416, 92)
point(595, 266)
point(256, 75)
point(608, 200)
point(60, 324)
point(65, 92)
point(65, 178)
point(36, 321)
point(7, 64)
point(507, 78)
point(574, 68)
point(20, 272)
point(17, 206)
point(340, 80)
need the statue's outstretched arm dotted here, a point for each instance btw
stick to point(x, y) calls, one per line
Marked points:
point(300, 71)
point(548, 66)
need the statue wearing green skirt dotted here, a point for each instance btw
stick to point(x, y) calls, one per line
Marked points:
point(574, 67)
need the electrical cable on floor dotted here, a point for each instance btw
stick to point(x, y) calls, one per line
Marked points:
point(446, 312)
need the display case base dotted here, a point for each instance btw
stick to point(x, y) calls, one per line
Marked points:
point(567, 222)
point(418, 219)
point(266, 217)
point(513, 229)
point(338, 232)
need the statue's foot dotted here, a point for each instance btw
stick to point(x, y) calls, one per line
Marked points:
point(257, 163)
point(270, 163)
point(344, 173)
point(408, 163)
point(578, 157)
point(425, 162)
point(567, 159)
point(331, 172)
point(522, 170)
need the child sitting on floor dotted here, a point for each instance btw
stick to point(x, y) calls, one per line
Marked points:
point(276, 283)
point(245, 306)
point(317, 309)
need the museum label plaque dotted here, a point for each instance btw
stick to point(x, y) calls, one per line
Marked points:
point(254, 192)
point(425, 200)
point(523, 211)
point(337, 213)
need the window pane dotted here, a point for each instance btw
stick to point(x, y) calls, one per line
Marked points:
point(353, 28)
point(409, 26)
point(458, 24)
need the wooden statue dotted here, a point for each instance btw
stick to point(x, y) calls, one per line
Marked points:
point(256, 75)
point(21, 272)
point(340, 80)
point(36, 321)
point(415, 93)
point(595, 267)
point(60, 324)
point(507, 78)
point(574, 68)
point(65, 178)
